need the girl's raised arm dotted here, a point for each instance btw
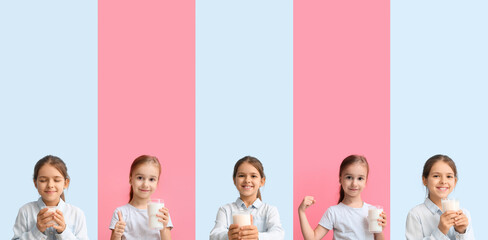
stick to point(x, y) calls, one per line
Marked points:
point(307, 231)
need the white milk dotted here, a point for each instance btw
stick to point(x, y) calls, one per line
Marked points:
point(242, 219)
point(152, 209)
point(450, 205)
point(373, 216)
point(53, 210)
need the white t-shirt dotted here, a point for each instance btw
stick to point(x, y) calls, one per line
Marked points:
point(347, 222)
point(136, 223)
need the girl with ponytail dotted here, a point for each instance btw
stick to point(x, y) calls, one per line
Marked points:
point(50, 217)
point(348, 218)
point(248, 177)
point(131, 220)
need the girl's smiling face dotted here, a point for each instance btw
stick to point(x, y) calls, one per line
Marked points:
point(440, 181)
point(50, 184)
point(144, 180)
point(353, 179)
point(248, 181)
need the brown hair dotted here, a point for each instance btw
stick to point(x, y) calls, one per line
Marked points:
point(349, 160)
point(432, 160)
point(141, 160)
point(54, 161)
point(255, 163)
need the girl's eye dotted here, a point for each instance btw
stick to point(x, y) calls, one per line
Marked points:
point(435, 176)
point(152, 179)
point(240, 175)
point(57, 180)
point(254, 176)
point(361, 179)
point(449, 176)
point(348, 177)
point(139, 178)
point(42, 180)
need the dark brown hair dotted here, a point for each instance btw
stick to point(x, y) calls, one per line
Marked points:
point(54, 161)
point(349, 160)
point(255, 163)
point(139, 161)
point(432, 160)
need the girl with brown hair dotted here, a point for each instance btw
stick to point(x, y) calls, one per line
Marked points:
point(50, 217)
point(248, 177)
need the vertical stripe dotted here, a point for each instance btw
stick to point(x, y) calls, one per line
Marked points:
point(244, 102)
point(438, 99)
point(147, 104)
point(341, 100)
point(48, 101)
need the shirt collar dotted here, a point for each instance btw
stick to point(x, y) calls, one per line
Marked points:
point(61, 204)
point(255, 204)
point(432, 207)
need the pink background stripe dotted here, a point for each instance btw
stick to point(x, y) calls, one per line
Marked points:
point(341, 100)
point(147, 104)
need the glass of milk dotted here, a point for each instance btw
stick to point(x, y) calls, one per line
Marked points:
point(373, 216)
point(53, 210)
point(449, 205)
point(153, 207)
point(242, 218)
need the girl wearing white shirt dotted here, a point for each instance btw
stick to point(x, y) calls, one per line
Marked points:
point(348, 218)
point(131, 220)
point(428, 220)
point(36, 221)
point(265, 220)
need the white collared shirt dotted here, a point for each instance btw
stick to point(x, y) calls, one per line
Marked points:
point(423, 221)
point(265, 217)
point(25, 227)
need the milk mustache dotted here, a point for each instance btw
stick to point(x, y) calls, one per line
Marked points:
point(373, 216)
point(152, 209)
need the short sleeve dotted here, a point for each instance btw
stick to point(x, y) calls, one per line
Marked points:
point(328, 219)
point(115, 219)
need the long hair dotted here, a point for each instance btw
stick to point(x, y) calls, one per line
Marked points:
point(54, 161)
point(349, 160)
point(255, 163)
point(139, 161)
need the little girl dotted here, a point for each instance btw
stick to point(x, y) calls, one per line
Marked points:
point(428, 220)
point(265, 220)
point(131, 221)
point(348, 218)
point(36, 220)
